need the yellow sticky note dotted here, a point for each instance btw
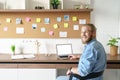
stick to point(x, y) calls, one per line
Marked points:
point(74, 18)
point(65, 25)
point(55, 26)
point(38, 20)
point(8, 20)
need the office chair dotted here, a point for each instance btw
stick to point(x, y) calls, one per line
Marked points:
point(89, 76)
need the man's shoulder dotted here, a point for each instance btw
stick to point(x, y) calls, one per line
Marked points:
point(95, 44)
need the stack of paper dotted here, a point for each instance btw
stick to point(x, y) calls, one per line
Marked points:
point(22, 56)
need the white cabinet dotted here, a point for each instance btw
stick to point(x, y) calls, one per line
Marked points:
point(36, 74)
point(27, 74)
point(8, 74)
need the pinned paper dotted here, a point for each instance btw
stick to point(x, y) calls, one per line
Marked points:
point(27, 19)
point(8, 20)
point(59, 19)
point(55, 26)
point(38, 20)
point(74, 18)
point(18, 20)
point(47, 20)
point(51, 33)
point(82, 21)
point(34, 26)
point(75, 27)
point(65, 25)
point(66, 17)
point(62, 34)
point(5, 28)
point(42, 29)
point(19, 30)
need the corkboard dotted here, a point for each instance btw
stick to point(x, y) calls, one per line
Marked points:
point(36, 33)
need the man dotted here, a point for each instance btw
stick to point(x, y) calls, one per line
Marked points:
point(93, 58)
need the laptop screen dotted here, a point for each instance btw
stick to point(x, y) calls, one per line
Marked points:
point(64, 49)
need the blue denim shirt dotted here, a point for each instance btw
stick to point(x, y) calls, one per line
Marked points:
point(93, 59)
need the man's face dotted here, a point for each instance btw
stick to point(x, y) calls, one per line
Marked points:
point(86, 34)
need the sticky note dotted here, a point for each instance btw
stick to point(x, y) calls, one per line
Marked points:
point(19, 30)
point(66, 17)
point(65, 25)
point(5, 28)
point(59, 19)
point(51, 33)
point(62, 34)
point(27, 19)
point(8, 20)
point(38, 20)
point(74, 18)
point(75, 27)
point(55, 26)
point(82, 21)
point(34, 26)
point(18, 20)
point(43, 29)
point(47, 20)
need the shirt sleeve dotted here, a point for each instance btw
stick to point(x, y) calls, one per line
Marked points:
point(87, 61)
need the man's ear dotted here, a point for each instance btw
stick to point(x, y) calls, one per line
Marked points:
point(94, 34)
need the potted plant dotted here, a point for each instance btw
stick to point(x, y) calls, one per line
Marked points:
point(13, 49)
point(55, 3)
point(113, 42)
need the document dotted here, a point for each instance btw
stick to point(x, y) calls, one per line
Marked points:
point(24, 56)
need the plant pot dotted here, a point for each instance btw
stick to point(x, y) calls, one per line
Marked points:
point(55, 6)
point(113, 50)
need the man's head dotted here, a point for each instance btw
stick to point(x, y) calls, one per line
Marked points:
point(88, 32)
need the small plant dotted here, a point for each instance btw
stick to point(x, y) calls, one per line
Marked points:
point(113, 41)
point(55, 2)
point(13, 49)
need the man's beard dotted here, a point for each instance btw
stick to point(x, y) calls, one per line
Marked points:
point(88, 40)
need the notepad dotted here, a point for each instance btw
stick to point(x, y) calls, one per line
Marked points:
point(22, 56)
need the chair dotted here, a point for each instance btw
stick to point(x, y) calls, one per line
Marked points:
point(89, 76)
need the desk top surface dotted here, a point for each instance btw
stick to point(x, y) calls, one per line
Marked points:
point(50, 58)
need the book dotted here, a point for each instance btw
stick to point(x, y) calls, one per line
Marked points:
point(22, 56)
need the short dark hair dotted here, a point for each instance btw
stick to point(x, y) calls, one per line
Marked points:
point(92, 26)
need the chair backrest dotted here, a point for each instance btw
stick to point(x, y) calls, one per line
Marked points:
point(89, 76)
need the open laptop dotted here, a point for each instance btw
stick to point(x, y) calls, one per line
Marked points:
point(63, 50)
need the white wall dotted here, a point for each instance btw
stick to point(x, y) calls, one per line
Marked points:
point(12, 4)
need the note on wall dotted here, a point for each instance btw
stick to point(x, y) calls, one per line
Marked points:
point(43, 29)
point(19, 30)
point(74, 18)
point(51, 33)
point(66, 17)
point(75, 27)
point(18, 20)
point(8, 20)
point(62, 34)
point(55, 26)
point(5, 28)
point(38, 20)
point(47, 20)
point(59, 19)
point(82, 21)
point(34, 26)
point(66, 25)
point(27, 19)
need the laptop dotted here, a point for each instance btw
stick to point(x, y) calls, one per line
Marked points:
point(63, 50)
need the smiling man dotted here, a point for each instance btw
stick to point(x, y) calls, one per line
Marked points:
point(93, 58)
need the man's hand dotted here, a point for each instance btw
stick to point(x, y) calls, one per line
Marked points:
point(73, 57)
point(68, 72)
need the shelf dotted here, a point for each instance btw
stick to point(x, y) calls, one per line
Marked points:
point(48, 10)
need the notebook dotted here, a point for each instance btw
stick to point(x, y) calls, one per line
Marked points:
point(63, 50)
